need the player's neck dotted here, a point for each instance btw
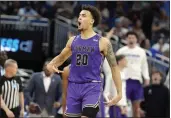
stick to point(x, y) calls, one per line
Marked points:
point(87, 33)
point(131, 46)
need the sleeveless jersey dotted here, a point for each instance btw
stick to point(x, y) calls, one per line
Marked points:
point(86, 60)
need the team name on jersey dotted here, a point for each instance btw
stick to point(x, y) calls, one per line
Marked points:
point(84, 49)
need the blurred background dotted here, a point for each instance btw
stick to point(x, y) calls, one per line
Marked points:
point(32, 32)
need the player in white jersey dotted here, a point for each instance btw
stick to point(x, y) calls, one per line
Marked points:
point(136, 68)
point(118, 110)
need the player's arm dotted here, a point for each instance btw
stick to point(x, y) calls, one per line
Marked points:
point(109, 54)
point(62, 57)
point(65, 76)
point(145, 70)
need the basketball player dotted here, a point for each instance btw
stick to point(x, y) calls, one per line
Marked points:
point(88, 51)
point(65, 76)
point(136, 68)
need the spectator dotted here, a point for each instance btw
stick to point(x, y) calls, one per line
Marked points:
point(118, 30)
point(136, 68)
point(156, 102)
point(3, 58)
point(119, 10)
point(125, 22)
point(145, 44)
point(44, 89)
point(3, 7)
point(28, 11)
point(11, 92)
point(161, 46)
point(13, 8)
point(160, 25)
point(137, 29)
point(67, 9)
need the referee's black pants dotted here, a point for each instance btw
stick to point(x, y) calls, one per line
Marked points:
point(16, 112)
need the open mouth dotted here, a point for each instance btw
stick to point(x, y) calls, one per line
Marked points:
point(79, 23)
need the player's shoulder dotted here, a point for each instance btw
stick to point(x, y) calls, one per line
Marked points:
point(72, 38)
point(104, 40)
point(139, 49)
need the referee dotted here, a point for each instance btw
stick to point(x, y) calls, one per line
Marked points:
point(11, 94)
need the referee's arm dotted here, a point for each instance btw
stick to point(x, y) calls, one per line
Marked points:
point(3, 105)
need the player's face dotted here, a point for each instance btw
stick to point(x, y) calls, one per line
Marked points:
point(156, 78)
point(85, 20)
point(132, 40)
point(11, 70)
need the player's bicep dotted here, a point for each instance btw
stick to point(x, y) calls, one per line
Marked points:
point(109, 54)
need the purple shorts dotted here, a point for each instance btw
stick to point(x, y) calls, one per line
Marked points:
point(134, 90)
point(80, 96)
point(101, 113)
point(115, 112)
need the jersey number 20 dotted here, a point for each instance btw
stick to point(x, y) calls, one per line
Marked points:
point(82, 59)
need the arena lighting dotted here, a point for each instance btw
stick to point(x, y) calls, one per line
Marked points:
point(15, 45)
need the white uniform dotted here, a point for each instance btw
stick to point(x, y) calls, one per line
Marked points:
point(110, 86)
point(137, 63)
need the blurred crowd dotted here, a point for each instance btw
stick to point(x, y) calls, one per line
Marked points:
point(150, 20)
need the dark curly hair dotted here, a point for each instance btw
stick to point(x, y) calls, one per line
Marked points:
point(132, 33)
point(94, 12)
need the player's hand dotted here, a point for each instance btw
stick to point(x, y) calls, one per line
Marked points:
point(123, 110)
point(146, 83)
point(56, 105)
point(10, 114)
point(53, 69)
point(22, 113)
point(114, 101)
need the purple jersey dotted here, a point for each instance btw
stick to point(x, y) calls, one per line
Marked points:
point(86, 61)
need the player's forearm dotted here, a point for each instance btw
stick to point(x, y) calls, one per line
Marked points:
point(3, 105)
point(65, 85)
point(117, 79)
point(58, 60)
point(21, 100)
point(64, 93)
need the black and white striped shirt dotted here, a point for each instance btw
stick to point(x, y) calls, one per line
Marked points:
point(9, 90)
